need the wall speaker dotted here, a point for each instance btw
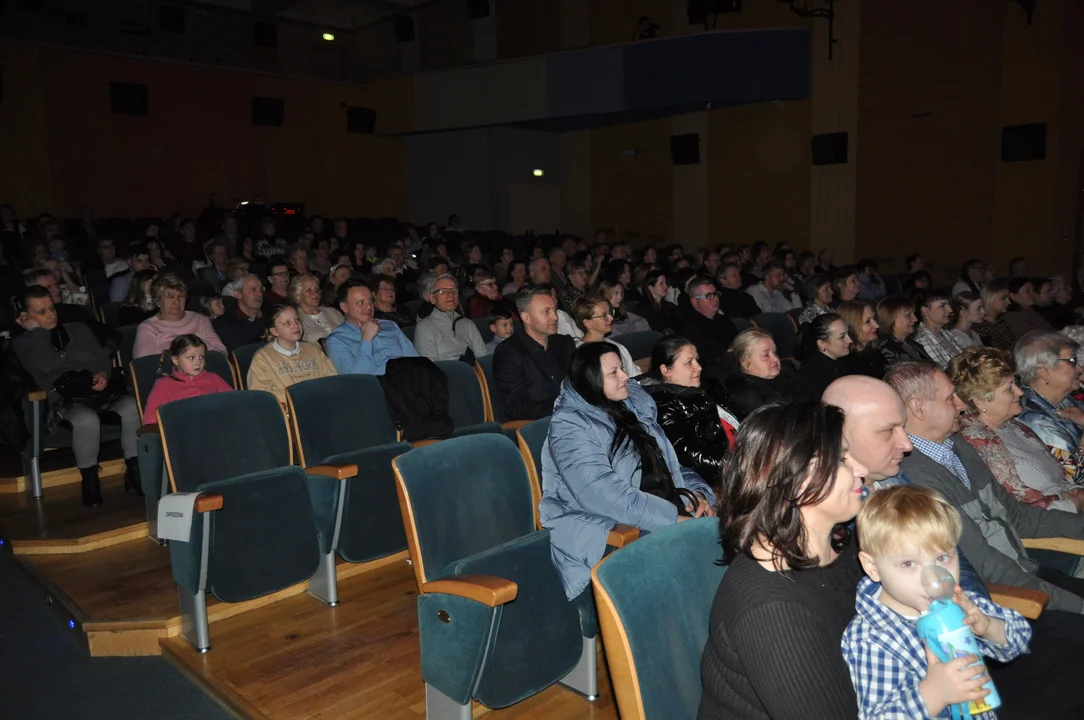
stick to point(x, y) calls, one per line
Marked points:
point(685, 149)
point(478, 9)
point(404, 28)
point(1023, 142)
point(360, 120)
point(128, 98)
point(265, 34)
point(268, 111)
point(830, 149)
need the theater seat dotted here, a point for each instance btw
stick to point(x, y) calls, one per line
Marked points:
point(654, 601)
point(241, 359)
point(639, 344)
point(493, 620)
point(152, 470)
point(466, 403)
point(258, 533)
point(344, 420)
point(492, 399)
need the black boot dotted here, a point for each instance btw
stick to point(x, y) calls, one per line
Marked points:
point(92, 489)
point(132, 479)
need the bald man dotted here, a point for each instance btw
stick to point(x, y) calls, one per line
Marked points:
point(874, 426)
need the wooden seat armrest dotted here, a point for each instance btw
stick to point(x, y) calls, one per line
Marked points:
point(622, 535)
point(485, 589)
point(37, 395)
point(149, 430)
point(1029, 603)
point(515, 424)
point(1060, 544)
point(343, 471)
point(208, 502)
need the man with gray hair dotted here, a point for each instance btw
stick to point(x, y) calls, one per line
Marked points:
point(707, 328)
point(242, 325)
point(528, 367)
point(442, 333)
point(993, 521)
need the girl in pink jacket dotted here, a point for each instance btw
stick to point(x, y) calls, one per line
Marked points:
point(189, 378)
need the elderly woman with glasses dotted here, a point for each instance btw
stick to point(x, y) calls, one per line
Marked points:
point(1046, 364)
point(155, 334)
point(486, 294)
point(985, 381)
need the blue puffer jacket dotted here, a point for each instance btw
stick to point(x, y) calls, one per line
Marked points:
point(584, 494)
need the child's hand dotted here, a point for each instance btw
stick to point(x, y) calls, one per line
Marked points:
point(979, 621)
point(952, 682)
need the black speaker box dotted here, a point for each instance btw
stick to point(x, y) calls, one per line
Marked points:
point(685, 149)
point(830, 149)
point(128, 98)
point(404, 28)
point(478, 9)
point(360, 120)
point(268, 111)
point(1023, 142)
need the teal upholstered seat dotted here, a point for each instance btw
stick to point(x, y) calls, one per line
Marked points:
point(468, 504)
point(264, 538)
point(466, 403)
point(242, 360)
point(152, 471)
point(741, 323)
point(344, 419)
point(654, 656)
point(639, 344)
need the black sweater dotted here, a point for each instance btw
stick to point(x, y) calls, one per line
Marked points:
point(773, 645)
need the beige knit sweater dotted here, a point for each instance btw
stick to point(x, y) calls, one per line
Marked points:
point(274, 372)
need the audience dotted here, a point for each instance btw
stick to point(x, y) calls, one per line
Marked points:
point(67, 361)
point(286, 360)
point(502, 325)
point(624, 321)
point(154, 335)
point(767, 294)
point(243, 325)
point(706, 327)
point(517, 278)
point(660, 313)
point(1020, 315)
point(931, 333)
point(216, 273)
point(385, 298)
point(871, 286)
point(138, 304)
point(818, 290)
point(592, 313)
point(1046, 363)
point(121, 283)
point(995, 521)
point(442, 333)
point(969, 310)
point(701, 431)
point(188, 376)
point(994, 331)
point(760, 377)
point(971, 279)
point(985, 382)
point(278, 280)
point(826, 344)
point(773, 647)
point(363, 344)
point(607, 462)
point(486, 295)
point(896, 318)
point(529, 366)
point(845, 284)
point(734, 301)
point(578, 283)
point(317, 321)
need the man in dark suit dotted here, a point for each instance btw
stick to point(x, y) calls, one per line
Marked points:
point(708, 328)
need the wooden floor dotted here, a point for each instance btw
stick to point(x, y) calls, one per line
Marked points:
point(58, 468)
point(59, 523)
point(299, 659)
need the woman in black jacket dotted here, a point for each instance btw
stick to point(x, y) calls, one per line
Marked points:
point(759, 376)
point(700, 430)
point(825, 343)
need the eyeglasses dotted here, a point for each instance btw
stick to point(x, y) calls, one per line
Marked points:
point(599, 317)
point(1070, 360)
point(706, 296)
point(446, 291)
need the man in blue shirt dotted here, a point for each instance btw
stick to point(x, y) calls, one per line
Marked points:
point(363, 344)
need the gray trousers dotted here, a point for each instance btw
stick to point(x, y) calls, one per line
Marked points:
point(87, 430)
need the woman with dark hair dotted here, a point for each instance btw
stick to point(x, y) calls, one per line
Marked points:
point(817, 290)
point(139, 305)
point(593, 318)
point(826, 343)
point(700, 430)
point(845, 284)
point(971, 277)
point(773, 646)
point(969, 311)
point(607, 462)
point(517, 277)
point(1021, 316)
point(624, 321)
point(896, 317)
point(660, 313)
point(804, 266)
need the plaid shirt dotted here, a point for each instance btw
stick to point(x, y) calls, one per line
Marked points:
point(941, 346)
point(887, 661)
point(944, 455)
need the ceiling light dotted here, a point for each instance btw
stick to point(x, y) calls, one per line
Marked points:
point(329, 37)
point(538, 173)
